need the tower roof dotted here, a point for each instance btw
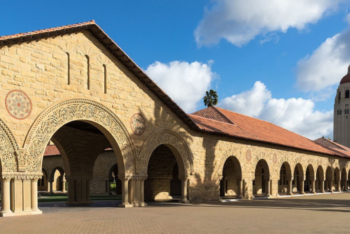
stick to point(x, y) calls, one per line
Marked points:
point(346, 79)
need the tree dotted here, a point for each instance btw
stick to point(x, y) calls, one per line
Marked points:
point(211, 98)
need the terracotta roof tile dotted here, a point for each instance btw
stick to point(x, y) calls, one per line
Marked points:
point(336, 147)
point(51, 150)
point(254, 129)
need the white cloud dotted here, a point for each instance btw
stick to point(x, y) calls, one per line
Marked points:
point(184, 82)
point(239, 21)
point(295, 114)
point(327, 64)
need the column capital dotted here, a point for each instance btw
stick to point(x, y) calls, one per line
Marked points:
point(140, 177)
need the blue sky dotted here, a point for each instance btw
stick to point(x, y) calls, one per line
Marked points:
point(246, 51)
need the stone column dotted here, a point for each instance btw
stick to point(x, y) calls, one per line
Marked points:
point(50, 187)
point(274, 188)
point(302, 186)
point(225, 187)
point(240, 188)
point(142, 191)
point(338, 186)
point(63, 185)
point(34, 188)
point(331, 186)
point(268, 188)
point(184, 190)
point(322, 186)
point(248, 189)
point(290, 187)
point(71, 190)
point(5, 198)
point(125, 192)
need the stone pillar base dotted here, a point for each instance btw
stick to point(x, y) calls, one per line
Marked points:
point(23, 213)
point(126, 205)
point(7, 214)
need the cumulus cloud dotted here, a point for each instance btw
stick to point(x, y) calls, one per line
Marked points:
point(239, 21)
point(295, 114)
point(326, 65)
point(184, 82)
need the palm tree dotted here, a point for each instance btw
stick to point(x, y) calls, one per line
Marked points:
point(211, 98)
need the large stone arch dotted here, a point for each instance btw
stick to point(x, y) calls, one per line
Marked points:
point(9, 151)
point(174, 142)
point(94, 113)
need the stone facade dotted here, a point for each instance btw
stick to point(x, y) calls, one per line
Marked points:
point(83, 98)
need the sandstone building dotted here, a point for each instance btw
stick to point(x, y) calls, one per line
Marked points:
point(74, 86)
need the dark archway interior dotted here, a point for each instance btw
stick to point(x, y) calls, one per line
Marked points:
point(231, 177)
point(80, 143)
point(262, 176)
point(162, 183)
point(115, 184)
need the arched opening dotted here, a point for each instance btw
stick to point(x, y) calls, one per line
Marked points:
point(336, 186)
point(79, 144)
point(261, 183)
point(231, 182)
point(329, 179)
point(309, 180)
point(57, 181)
point(344, 184)
point(298, 179)
point(320, 180)
point(347, 94)
point(43, 182)
point(285, 179)
point(163, 168)
point(114, 185)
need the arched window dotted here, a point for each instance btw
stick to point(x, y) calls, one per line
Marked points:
point(338, 112)
point(88, 71)
point(346, 111)
point(68, 68)
point(105, 78)
point(347, 94)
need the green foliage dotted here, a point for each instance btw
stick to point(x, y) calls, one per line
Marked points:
point(211, 98)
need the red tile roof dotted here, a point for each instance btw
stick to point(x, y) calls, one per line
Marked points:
point(253, 129)
point(51, 150)
point(341, 150)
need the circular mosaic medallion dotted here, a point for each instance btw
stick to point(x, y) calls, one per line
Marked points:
point(274, 158)
point(248, 156)
point(137, 123)
point(18, 104)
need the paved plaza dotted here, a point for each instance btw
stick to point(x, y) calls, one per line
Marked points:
point(328, 213)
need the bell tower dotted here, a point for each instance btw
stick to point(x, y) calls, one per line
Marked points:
point(341, 132)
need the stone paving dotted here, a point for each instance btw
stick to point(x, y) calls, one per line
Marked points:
point(328, 213)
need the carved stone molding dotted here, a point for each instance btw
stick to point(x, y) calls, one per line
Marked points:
point(64, 112)
point(164, 137)
point(21, 176)
point(8, 147)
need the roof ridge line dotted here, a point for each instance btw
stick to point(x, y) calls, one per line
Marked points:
point(212, 119)
point(222, 114)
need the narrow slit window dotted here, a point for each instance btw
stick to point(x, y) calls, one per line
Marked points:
point(105, 78)
point(347, 94)
point(68, 69)
point(88, 71)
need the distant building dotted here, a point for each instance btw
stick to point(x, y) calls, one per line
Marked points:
point(341, 112)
